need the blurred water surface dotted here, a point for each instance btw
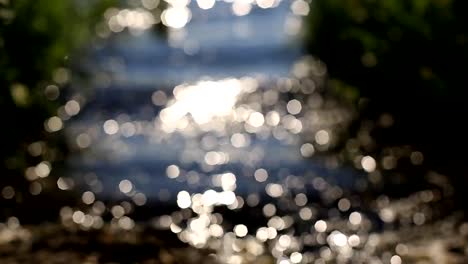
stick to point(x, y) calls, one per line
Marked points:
point(222, 132)
point(232, 68)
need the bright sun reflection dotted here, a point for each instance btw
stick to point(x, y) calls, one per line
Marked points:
point(206, 4)
point(176, 17)
point(203, 101)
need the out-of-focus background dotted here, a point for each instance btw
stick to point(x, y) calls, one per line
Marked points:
point(234, 131)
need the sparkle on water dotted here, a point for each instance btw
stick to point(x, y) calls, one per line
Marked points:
point(305, 218)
